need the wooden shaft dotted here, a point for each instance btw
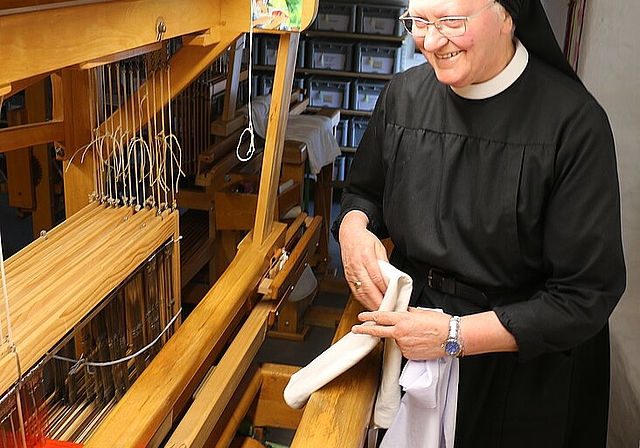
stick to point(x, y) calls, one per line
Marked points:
point(274, 140)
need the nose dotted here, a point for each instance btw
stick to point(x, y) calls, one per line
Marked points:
point(433, 40)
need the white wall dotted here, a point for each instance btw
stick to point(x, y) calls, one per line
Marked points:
point(609, 65)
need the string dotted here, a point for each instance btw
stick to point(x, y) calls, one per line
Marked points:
point(77, 363)
point(10, 340)
point(5, 291)
point(249, 128)
point(4, 281)
point(172, 138)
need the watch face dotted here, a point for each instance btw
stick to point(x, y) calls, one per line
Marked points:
point(452, 347)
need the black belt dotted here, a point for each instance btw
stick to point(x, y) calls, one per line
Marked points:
point(438, 280)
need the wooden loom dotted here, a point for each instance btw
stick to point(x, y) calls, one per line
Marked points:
point(54, 40)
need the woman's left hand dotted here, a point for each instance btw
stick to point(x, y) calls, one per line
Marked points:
point(419, 333)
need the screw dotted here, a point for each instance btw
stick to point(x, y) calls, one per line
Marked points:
point(161, 28)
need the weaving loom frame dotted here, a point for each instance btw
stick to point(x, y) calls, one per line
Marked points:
point(213, 27)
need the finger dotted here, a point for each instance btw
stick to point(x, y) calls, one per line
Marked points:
point(374, 273)
point(379, 331)
point(377, 317)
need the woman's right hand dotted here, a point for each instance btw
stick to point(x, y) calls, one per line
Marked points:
point(361, 251)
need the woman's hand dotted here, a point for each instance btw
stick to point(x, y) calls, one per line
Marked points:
point(418, 333)
point(361, 251)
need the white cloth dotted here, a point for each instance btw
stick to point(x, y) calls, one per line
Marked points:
point(427, 415)
point(315, 131)
point(351, 348)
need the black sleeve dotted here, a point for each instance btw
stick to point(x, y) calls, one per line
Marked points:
point(366, 181)
point(582, 244)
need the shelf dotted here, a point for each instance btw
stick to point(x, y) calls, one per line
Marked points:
point(327, 72)
point(349, 112)
point(354, 36)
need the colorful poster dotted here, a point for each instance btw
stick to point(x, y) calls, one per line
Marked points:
point(284, 15)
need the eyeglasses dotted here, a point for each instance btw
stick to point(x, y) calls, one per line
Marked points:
point(449, 26)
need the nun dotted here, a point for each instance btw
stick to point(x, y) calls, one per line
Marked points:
point(492, 171)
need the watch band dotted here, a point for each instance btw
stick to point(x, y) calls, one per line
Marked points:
point(453, 345)
point(454, 327)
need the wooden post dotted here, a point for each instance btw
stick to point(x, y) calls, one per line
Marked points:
point(274, 141)
point(233, 80)
point(43, 215)
point(230, 121)
point(78, 176)
point(20, 168)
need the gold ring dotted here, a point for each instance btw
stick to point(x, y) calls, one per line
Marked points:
point(358, 284)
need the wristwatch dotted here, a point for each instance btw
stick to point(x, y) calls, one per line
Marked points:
point(453, 345)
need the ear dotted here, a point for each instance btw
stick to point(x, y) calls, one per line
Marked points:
point(507, 26)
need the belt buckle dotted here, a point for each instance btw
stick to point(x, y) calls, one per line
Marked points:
point(435, 279)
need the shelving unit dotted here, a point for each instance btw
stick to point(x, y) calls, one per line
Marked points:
point(344, 60)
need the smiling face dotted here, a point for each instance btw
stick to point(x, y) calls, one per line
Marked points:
point(476, 56)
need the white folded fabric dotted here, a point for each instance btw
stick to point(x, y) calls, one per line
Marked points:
point(427, 414)
point(351, 348)
point(317, 132)
point(314, 130)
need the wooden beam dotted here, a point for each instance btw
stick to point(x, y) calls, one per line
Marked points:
point(43, 216)
point(109, 59)
point(11, 89)
point(270, 409)
point(16, 137)
point(276, 128)
point(235, 413)
point(20, 168)
point(45, 40)
point(71, 100)
point(185, 66)
point(233, 80)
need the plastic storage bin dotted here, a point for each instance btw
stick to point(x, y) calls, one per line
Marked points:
point(329, 93)
point(267, 50)
point(336, 17)
point(330, 55)
point(365, 94)
point(383, 59)
point(357, 126)
point(342, 132)
point(265, 84)
point(375, 19)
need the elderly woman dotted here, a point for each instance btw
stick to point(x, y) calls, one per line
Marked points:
point(492, 170)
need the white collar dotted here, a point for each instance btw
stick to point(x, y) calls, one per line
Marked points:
point(501, 81)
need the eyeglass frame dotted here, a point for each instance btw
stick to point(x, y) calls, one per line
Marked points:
point(405, 16)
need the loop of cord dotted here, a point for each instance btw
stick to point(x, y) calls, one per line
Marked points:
point(78, 363)
point(249, 129)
